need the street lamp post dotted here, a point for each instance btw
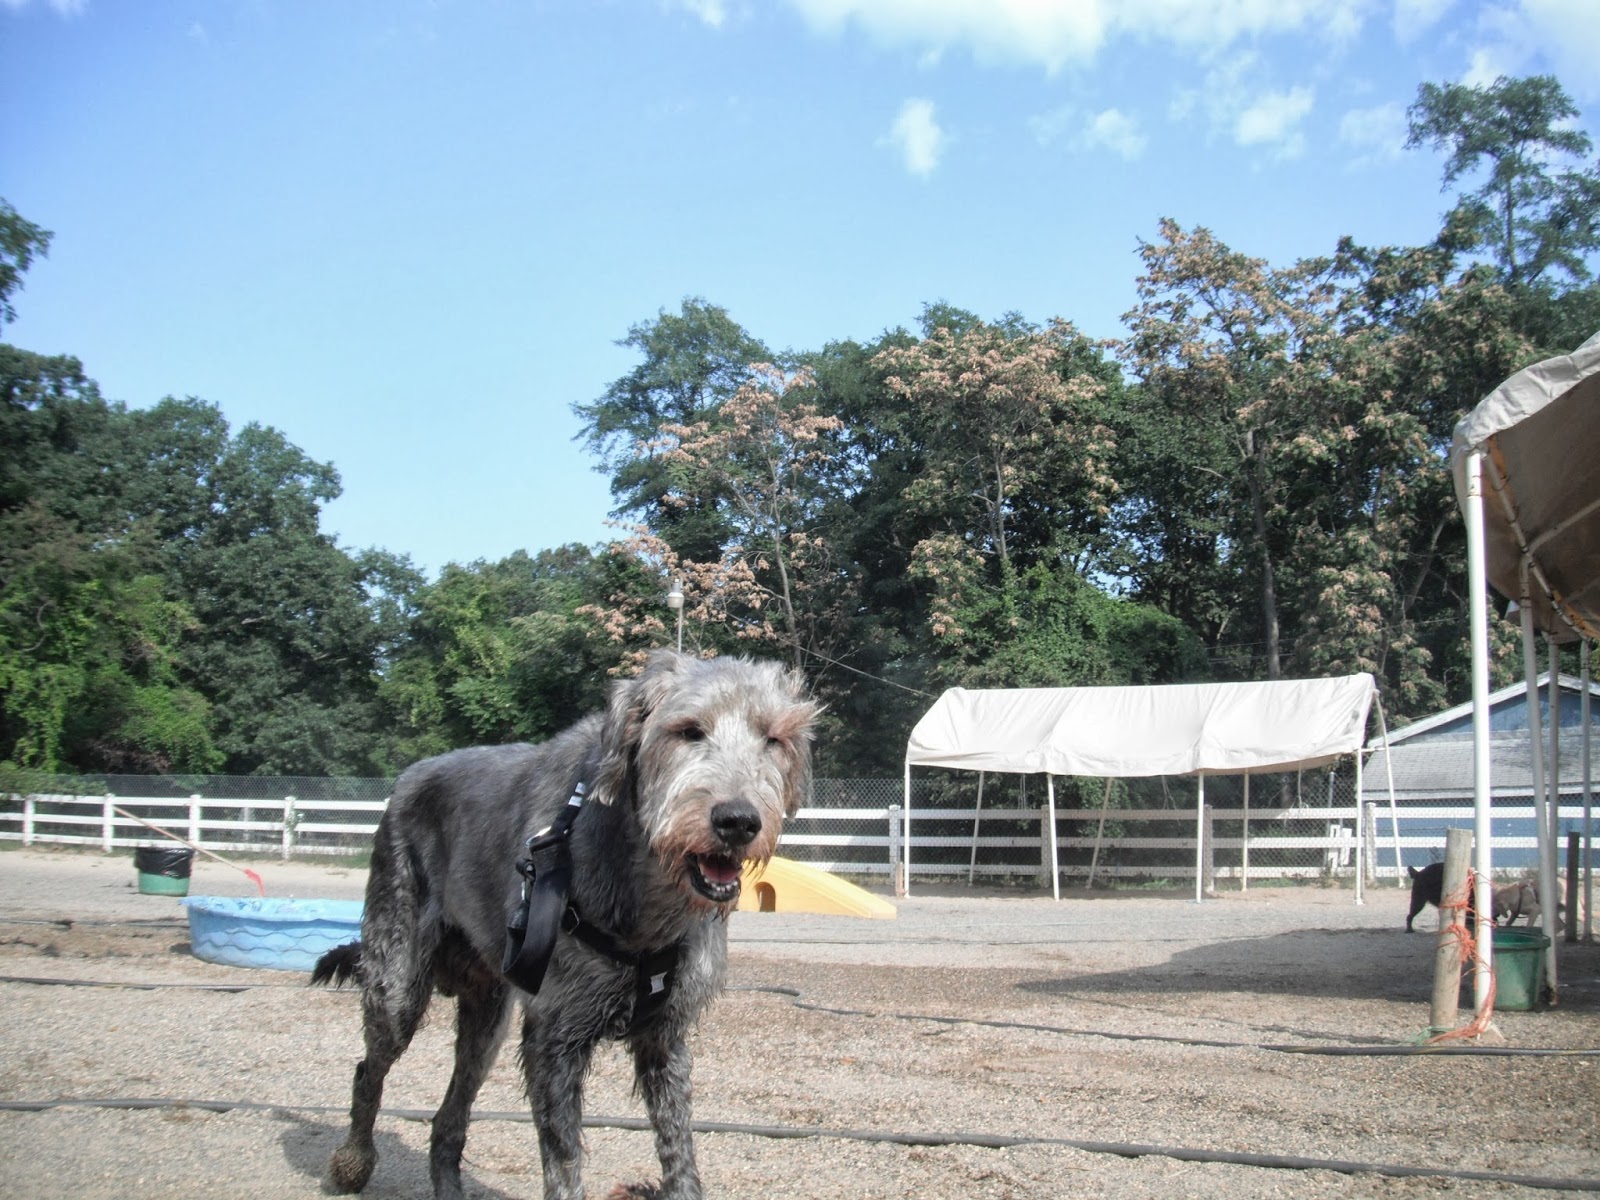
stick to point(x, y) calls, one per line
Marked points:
point(675, 603)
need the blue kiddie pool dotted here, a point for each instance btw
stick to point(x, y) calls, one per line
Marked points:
point(278, 934)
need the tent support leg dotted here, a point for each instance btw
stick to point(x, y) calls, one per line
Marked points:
point(1478, 618)
point(1244, 853)
point(1552, 841)
point(1541, 800)
point(1588, 799)
point(1100, 833)
point(1055, 863)
point(977, 815)
point(1199, 838)
point(1394, 811)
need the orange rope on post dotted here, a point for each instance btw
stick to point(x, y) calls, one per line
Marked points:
point(1457, 907)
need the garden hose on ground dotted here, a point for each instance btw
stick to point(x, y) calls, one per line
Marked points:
point(987, 1141)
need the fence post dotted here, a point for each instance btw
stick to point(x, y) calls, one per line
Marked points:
point(1369, 840)
point(288, 826)
point(194, 819)
point(1574, 862)
point(27, 819)
point(896, 864)
point(106, 830)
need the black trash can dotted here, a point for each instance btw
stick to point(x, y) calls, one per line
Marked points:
point(163, 870)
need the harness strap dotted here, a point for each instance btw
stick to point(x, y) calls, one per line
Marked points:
point(545, 911)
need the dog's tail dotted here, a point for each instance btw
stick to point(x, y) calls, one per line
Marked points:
point(338, 966)
point(1413, 871)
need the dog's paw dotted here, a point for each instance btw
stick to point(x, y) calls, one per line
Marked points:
point(635, 1191)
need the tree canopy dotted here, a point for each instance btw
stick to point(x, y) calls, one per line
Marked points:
point(1250, 483)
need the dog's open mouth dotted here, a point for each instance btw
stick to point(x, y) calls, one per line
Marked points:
point(715, 876)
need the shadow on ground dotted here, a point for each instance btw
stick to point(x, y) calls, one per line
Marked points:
point(1356, 964)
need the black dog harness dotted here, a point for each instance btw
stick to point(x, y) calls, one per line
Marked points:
point(546, 910)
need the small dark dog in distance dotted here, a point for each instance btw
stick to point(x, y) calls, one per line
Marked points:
point(1427, 885)
point(1520, 899)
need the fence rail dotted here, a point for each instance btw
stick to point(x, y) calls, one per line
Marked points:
point(844, 832)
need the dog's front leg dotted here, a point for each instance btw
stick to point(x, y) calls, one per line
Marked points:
point(661, 1065)
point(554, 1063)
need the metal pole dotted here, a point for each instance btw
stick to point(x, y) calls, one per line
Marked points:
point(1199, 838)
point(1478, 636)
point(977, 815)
point(905, 838)
point(1394, 812)
point(1541, 799)
point(1055, 864)
point(1244, 853)
point(1588, 798)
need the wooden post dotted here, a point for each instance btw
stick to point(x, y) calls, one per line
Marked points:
point(897, 866)
point(27, 820)
point(1574, 869)
point(107, 829)
point(194, 819)
point(288, 826)
point(1447, 953)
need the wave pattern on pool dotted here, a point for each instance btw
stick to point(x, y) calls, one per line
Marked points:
point(278, 934)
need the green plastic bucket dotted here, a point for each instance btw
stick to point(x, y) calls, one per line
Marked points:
point(163, 870)
point(1519, 968)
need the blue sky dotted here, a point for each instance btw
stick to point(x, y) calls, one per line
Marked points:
point(408, 234)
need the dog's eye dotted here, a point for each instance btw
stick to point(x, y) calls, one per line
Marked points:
point(692, 733)
point(775, 743)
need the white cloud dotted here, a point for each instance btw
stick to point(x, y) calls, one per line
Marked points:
point(1111, 130)
point(1274, 119)
point(918, 137)
point(713, 12)
point(1413, 18)
point(1520, 36)
point(1117, 132)
point(1055, 33)
point(1376, 134)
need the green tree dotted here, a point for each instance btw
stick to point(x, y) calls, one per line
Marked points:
point(693, 360)
point(1532, 216)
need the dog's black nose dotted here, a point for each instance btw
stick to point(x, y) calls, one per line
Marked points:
point(736, 822)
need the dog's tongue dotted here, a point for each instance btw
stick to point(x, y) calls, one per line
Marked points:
point(718, 870)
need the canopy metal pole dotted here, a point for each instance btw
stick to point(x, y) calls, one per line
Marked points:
point(1394, 812)
point(977, 815)
point(1055, 865)
point(1541, 799)
point(1100, 833)
point(1552, 840)
point(1199, 838)
point(1361, 839)
point(905, 838)
point(1478, 619)
point(1244, 861)
point(1588, 797)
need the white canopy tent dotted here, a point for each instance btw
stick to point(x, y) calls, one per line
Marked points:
point(1535, 536)
point(1195, 729)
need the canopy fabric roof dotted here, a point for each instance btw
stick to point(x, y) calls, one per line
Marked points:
point(1540, 431)
point(1178, 729)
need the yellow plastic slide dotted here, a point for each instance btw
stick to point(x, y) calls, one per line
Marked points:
point(784, 885)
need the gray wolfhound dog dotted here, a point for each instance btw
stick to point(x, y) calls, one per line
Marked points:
point(688, 773)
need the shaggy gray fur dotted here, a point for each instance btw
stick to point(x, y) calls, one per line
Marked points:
point(698, 764)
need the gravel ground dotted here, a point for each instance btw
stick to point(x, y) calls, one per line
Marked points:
point(1134, 1019)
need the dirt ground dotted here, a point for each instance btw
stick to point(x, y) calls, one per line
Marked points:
point(1122, 1045)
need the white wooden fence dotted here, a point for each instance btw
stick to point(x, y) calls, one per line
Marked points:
point(995, 843)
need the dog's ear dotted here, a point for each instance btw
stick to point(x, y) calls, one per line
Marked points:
point(626, 712)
